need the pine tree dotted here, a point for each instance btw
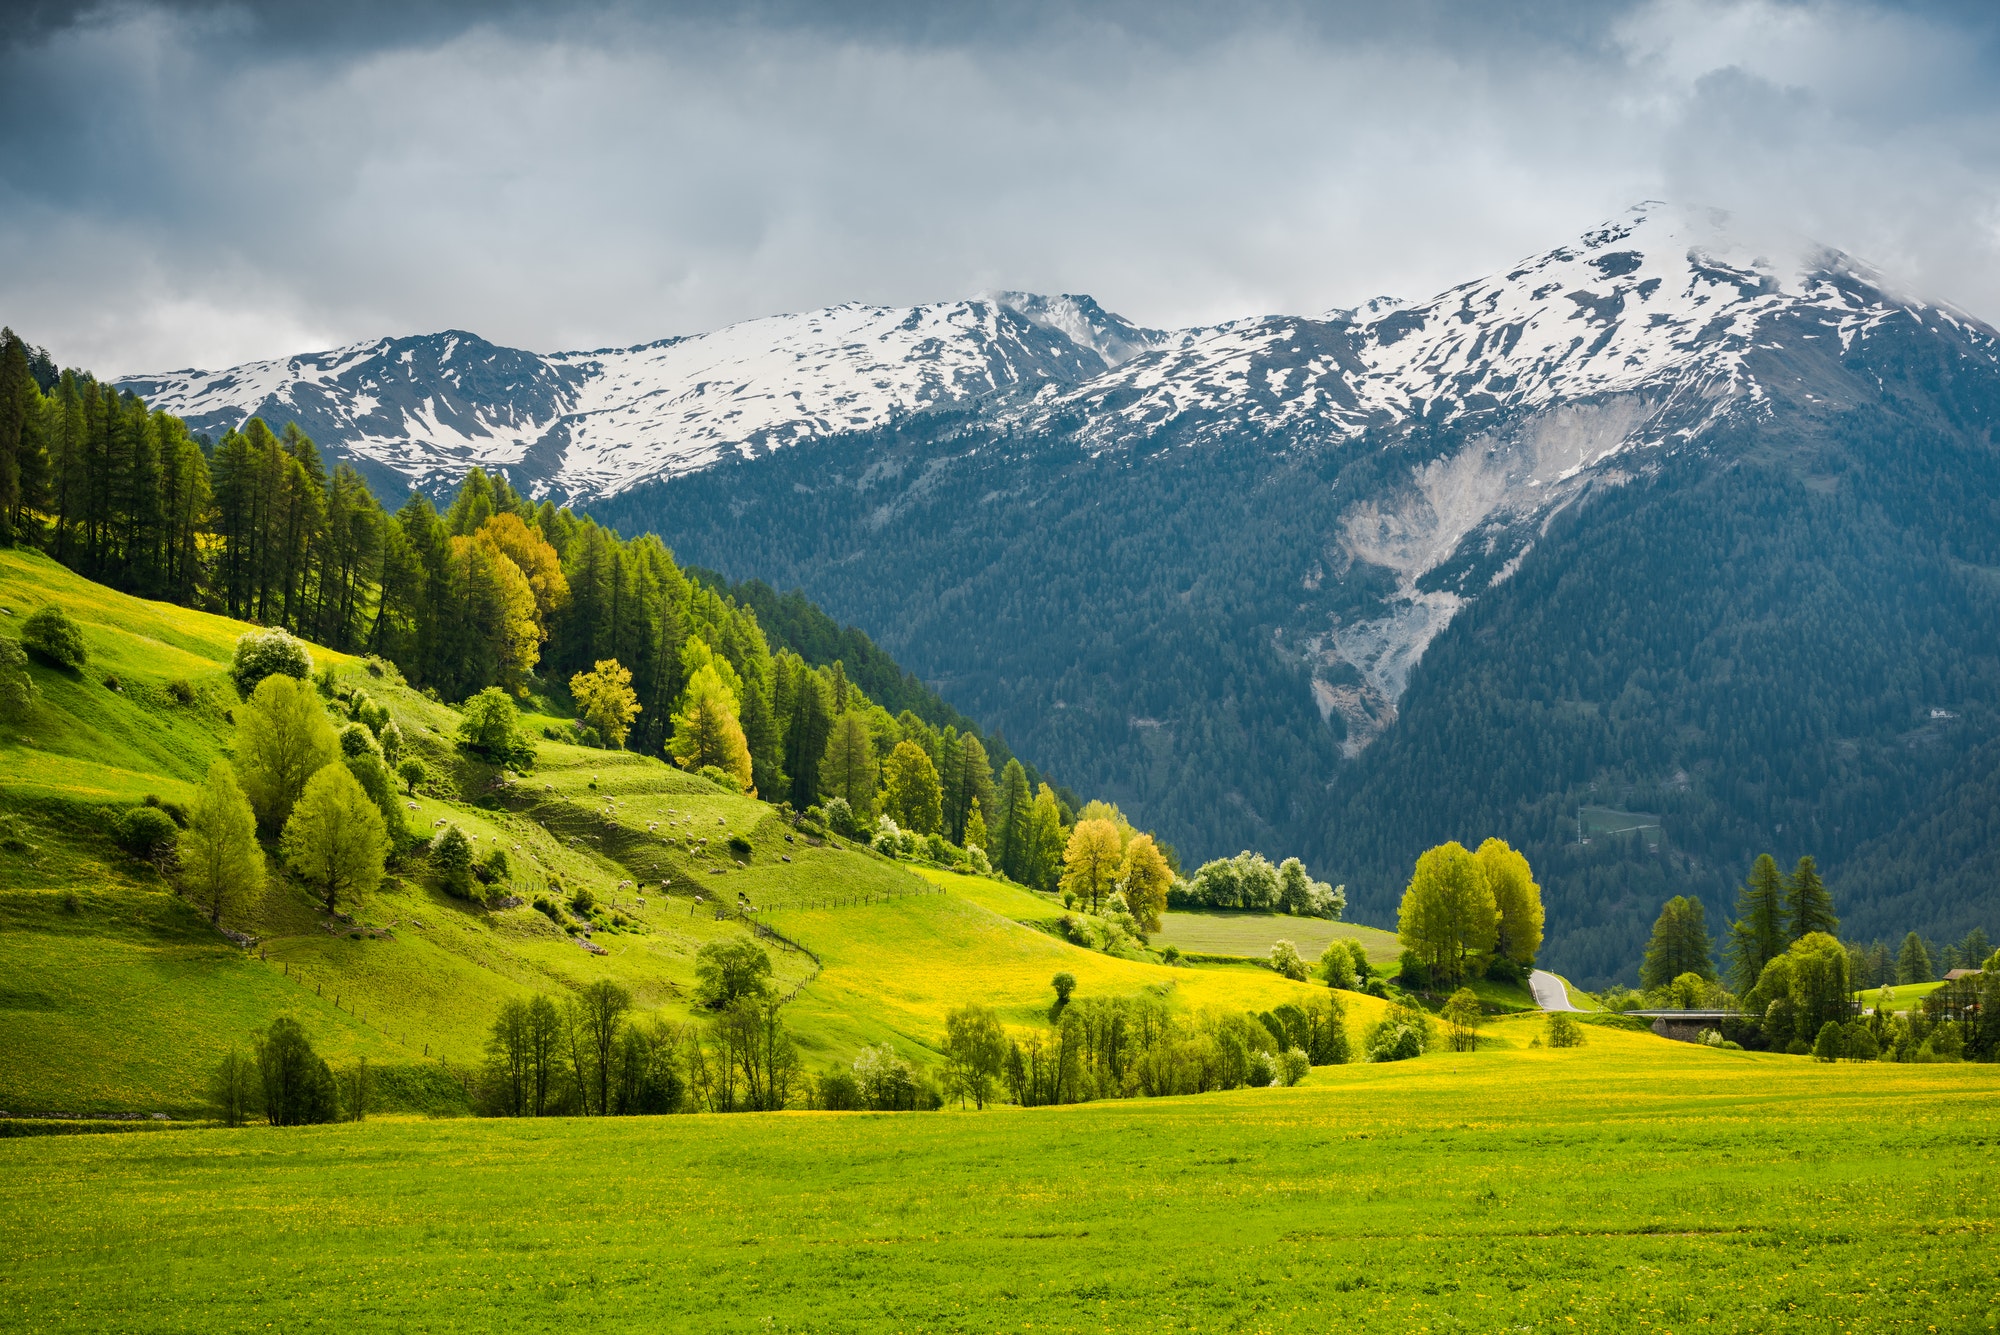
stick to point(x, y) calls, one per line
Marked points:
point(806, 736)
point(1808, 903)
point(1010, 828)
point(1680, 944)
point(848, 768)
point(1758, 934)
point(1913, 964)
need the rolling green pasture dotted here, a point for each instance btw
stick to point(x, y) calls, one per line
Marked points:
point(1902, 997)
point(116, 996)
point(1253, 934)
point(1633, 1185)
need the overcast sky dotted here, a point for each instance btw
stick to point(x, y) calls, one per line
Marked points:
point(194, 184)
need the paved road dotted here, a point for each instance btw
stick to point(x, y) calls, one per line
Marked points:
point(1549, 992)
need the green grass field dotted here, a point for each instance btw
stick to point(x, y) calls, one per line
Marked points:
point(1253, 934)
point(116, 996)
point(1633, 1185)
point(1902, 997)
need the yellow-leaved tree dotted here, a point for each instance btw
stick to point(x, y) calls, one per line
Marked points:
point(1091, 861)
point(605, 698)
point(1448, 919)
point(1517, 899)
point(1146, 877)
point(707, 731)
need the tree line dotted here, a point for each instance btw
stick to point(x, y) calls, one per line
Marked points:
point(494, 591)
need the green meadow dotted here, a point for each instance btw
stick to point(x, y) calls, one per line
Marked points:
point(1632, 1185)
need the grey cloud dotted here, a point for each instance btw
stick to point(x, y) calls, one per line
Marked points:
point(199, 184)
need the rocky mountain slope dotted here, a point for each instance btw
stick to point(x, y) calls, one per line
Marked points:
point(1341, 582)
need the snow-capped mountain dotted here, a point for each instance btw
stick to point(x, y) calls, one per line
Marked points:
point(582, 424)
point(1516, 392)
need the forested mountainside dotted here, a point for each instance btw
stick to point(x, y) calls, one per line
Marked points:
point(1669, 530)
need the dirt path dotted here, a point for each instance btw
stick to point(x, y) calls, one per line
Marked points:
point(1550, 994)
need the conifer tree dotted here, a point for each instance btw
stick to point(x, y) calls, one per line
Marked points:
point(1808, 903)
point(806, 736)
point(1758, 934)
point(1010, 828)
point(848, 768)
point(1680, 944)
point(706, 729)
point(975, 828)
point(1913, 963)
point(1044, 841)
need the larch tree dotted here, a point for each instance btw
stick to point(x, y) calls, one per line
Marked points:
point(1146, 878)
point(283, 738)
point(848, 768)
point(706, 730)
point(221, 865)
point(910, 790)
point(1042, 858)
point(806, 734)
point(975, 827)
point(1091, 861)
point(1518, 899)
point(1010, 827)
point(1680, 944)
point(1808, 903)
point(1913, 962)
point(1448, 918)
point(605, 698)
point(335, 839)
point(1758, 935)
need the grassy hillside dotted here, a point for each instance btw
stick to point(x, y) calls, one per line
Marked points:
point(1253, 935)
point(1630, 1185)
point(115, 995)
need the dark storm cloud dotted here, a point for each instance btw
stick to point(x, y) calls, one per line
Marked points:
point(194, 183)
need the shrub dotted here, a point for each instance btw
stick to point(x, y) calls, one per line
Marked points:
point(451, 860)
point(1827, 1047)
point(1857, 1043)
point(1263, 1070)
point(492, 868)
point(583, 901)
point(52, 637)
point(17, 688)
point(265, 653)
point(490, 727)
point(1285, 959)
point(721, 778)
point(1171, 955)
point(739, 845)
point(180, 690)
point(1564, 1031)
point(1412, 972)
point(549, 909)
point(1336, 966)
point(356, 740)
point(838, 1091)
point(1394, 1043)
point(391, 738)
point(840, 818)
point(146, 832)
point(1293, 1066)
point(111, 682)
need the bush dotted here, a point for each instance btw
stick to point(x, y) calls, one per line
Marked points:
point(583, 901)
point(1293, 1065)
point(838, 1091)
point(181, 691)
point(492, 868)
point(1263, 1070)
point(356, 740)
point(739, 845)
point(146, 832)
point(1394, 1043)
point(1827, 1047)
point(491, 727)
point(1564, 1031)
point(1412, 972)
point(840, 818)
point(1336, 966)
point(111, 682)
point(1285, 959)
point(721, 778)
point(266, 653)
point(17, 688)
point(451, 860)
point(52, 637)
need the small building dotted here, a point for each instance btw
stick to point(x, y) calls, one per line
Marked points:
point(1957, 974)
point(1684, 1026)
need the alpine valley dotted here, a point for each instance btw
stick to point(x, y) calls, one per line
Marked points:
point(1666, 547)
